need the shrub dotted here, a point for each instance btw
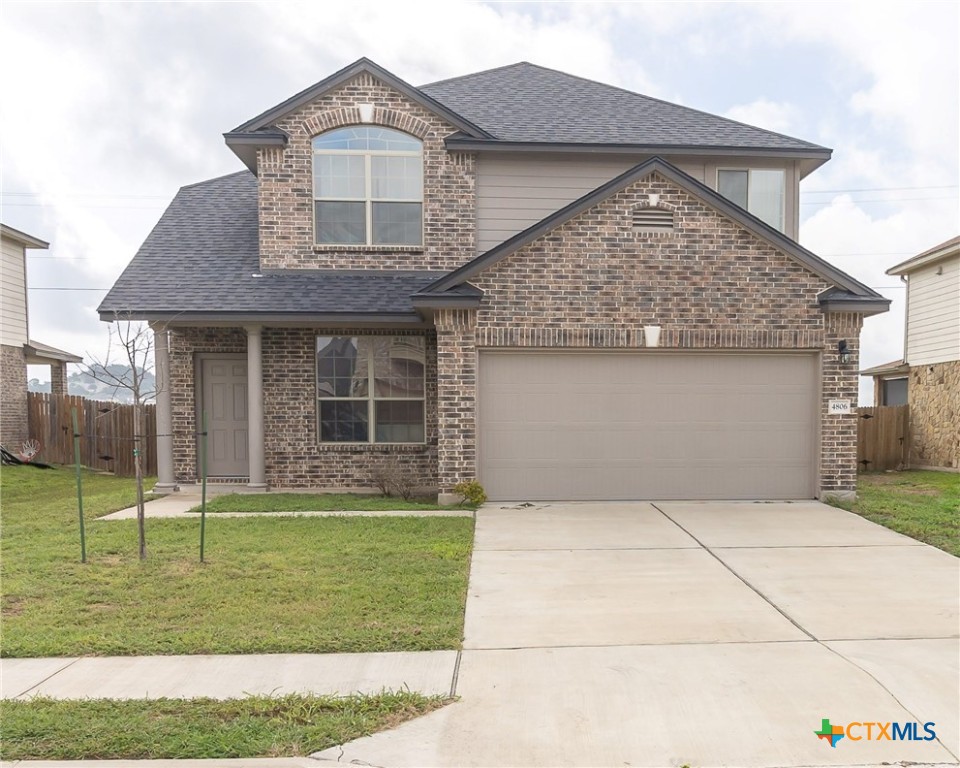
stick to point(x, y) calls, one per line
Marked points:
point(471, 491)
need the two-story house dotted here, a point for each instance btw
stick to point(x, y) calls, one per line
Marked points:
point(17, 349)
point(562, 288)
point(928, 375)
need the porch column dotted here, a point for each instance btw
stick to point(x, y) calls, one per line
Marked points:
point(255, 434)
point(58, 379)
point(166, 482)
point(456, 400)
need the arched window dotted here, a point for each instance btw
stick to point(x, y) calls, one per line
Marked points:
point(367, 187)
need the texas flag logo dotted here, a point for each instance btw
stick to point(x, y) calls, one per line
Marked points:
point(831, 733)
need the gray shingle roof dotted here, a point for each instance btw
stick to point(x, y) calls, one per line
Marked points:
point(201, 256)
point(527, 103)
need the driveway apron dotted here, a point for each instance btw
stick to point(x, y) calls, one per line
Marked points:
point(700, 633)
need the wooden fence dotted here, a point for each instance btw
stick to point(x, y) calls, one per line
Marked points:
point(883, 439)
point(107, 432)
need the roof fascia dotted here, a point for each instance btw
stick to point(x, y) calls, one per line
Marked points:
point(657, 165)
point(27, 241)
point(925, 260)
point(283, 318)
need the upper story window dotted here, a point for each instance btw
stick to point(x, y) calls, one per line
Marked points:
point(367, 187)
point(758, 190)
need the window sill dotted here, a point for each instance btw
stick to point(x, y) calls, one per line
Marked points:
point(368, 248)
point(374, 447)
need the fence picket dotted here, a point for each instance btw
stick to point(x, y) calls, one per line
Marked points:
point(107, 432)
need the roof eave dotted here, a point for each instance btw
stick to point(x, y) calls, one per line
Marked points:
point(310, 318)
point(441, 301)
point(863, 305)
point(949, 251)
point(245, 144)
point(27, 241)
point(42, 355)
point(817, 155)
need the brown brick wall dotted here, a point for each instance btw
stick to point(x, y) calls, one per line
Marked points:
point(934, 393)
point(294, 459)
point(286, 186)
point(13, 398)
point(456, 400)
point(595, 282)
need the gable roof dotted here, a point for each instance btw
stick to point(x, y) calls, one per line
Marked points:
point(528, 104)
point(849, 293)
point(258, 131)
point(939, 252)
point(202, 261)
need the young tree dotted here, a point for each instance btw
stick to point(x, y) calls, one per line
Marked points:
point(128, 360)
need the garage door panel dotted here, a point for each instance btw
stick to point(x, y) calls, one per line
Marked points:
point(640, 425)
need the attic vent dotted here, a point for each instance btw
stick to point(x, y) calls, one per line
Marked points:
point(653, 219)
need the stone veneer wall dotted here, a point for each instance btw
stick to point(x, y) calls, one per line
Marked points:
point(935, 415)
point(286, 186)
point(14, 429)
point(293, 456)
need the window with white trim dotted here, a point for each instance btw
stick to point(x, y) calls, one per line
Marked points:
point(370, 389)
point(761, 191)
point(367, 187)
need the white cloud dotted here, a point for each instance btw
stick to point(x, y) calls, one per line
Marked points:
point(776, 116)
point(113, 106)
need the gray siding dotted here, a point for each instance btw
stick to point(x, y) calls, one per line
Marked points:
point(933, 314)
point(515, 192)
point(13, 296)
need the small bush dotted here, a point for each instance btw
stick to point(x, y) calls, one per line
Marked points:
point(471, 491)
point(391, 479)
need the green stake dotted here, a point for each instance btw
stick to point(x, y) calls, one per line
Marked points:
point(76, 458)
point(203, 482)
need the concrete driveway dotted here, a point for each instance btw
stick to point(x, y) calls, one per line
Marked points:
point(699, 633)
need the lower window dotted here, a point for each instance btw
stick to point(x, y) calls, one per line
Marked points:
point(370, 389)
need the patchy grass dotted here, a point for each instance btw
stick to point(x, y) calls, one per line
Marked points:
point(270, 585)
point(921, 504)
point(313, 502)
point(259, 726)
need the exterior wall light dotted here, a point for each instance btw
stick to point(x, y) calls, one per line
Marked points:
point(844, 352)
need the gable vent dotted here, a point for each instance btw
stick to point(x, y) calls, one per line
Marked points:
point(653, 219)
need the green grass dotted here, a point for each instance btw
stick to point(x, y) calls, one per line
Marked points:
point(270, 585)
point(312, 502)
point(923, 505)
point(260, 726)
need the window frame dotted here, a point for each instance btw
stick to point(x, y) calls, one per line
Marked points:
point(368, 200)
point(750, 171)
point(884, 393)
point(371, 397)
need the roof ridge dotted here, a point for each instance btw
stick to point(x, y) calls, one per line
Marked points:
point(637, 94)
point(473, 74)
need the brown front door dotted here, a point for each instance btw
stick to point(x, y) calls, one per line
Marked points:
point(224, 398)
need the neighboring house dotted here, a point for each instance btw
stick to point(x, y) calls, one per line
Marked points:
point(928, 376)
point(462, 280)
point(18, 349)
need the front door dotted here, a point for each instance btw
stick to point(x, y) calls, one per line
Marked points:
point(224, 398)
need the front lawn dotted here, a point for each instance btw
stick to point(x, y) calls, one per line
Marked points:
point(259, 726)
point(921, 504)
point(313, 502)
point(270, 585)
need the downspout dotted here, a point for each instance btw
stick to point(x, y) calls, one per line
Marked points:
point(905, 445)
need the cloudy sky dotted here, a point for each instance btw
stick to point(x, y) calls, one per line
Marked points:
point(106, 109)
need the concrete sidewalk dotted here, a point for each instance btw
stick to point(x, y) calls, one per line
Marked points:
point(176, 505)
point(227, 677)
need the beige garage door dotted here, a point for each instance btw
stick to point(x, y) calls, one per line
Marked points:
point(647, 425)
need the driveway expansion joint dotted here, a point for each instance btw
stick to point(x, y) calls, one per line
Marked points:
point(48, 677)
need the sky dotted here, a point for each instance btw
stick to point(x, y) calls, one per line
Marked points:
point(106, 109)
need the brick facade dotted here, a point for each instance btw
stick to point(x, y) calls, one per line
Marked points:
point(457, 397)
point(294, 456)
point(14, 429)
point(286, 186)
point(935, 415)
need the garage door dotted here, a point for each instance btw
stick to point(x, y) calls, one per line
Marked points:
point(652, 425)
